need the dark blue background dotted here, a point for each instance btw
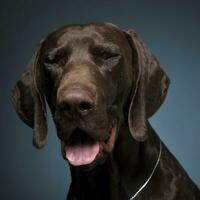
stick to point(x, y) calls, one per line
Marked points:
point(170, 29)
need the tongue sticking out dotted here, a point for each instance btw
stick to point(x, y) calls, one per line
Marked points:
point(81, 149)
point(81, 154)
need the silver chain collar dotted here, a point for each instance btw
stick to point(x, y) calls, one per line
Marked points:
point(147, 181)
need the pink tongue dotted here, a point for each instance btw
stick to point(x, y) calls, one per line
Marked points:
point(81, 154)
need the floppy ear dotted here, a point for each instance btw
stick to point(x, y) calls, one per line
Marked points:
point(150, 87)
point(29, 102)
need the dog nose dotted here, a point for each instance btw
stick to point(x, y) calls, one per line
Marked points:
point(76, 101)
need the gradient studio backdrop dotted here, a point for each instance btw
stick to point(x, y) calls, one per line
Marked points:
point(170, 29)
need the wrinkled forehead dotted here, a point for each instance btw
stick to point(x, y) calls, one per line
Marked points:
point(91, 33)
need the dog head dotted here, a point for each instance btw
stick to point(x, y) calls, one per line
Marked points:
point(94, 78)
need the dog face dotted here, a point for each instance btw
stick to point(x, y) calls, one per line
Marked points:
point(95, 78)
point(90, 82)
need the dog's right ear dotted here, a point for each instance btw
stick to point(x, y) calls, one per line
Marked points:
point(29, 102)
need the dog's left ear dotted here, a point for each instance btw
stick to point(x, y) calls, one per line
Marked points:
point(149, 87)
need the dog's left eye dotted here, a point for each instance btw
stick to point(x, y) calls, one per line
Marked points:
point(106, 54)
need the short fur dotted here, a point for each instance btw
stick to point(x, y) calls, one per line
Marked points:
point(126, 84)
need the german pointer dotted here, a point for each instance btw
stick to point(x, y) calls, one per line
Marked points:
point(102, 84)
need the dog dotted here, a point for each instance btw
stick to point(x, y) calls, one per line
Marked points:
point(102, 85)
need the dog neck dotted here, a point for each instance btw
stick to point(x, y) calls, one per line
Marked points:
point(136, 160)
point(95, 183)
point(122, 174)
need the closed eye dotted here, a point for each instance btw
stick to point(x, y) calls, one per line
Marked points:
point(105, 53)
point(56, 58)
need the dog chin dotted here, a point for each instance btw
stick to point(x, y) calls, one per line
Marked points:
point(84, 152)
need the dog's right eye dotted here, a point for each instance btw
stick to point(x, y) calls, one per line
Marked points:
point(55, 59)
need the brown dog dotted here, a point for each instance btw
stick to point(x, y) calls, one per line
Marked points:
point(102, 84)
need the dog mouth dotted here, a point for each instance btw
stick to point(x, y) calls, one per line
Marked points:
point(81, 149)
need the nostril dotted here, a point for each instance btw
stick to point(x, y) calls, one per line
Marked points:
point(82, 107)
point(75, 101)
point(64, 107)
point(85, 106)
